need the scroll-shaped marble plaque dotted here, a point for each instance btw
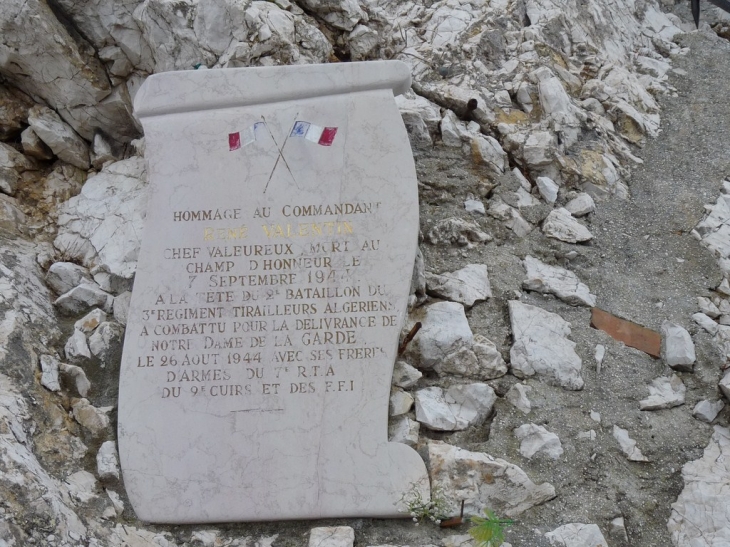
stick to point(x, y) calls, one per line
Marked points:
point(271, 287)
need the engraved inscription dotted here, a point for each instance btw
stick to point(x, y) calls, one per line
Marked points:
point(288, 318)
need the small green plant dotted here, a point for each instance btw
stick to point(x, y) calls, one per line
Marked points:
point(489, 531)
point(425, 510)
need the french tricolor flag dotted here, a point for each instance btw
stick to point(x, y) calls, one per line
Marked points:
point(323, 136)
point(244, 138)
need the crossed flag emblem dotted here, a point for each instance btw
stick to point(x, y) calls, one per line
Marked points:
point(323, 136)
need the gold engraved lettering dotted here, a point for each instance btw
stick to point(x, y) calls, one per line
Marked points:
point(236, 232)
point(302, 230)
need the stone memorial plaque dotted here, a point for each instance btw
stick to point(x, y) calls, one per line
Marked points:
point(271, 287)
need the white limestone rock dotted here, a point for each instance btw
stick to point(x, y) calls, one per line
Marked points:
point(33, 146)
point(577, 534)
point(106, 342)
point(490, 360)
point(554, 99)
point(77, 348)
point(468, 285)
point(83, 298)
point(456, 408)
point(628, 445)
point(418, 132)
point(14, 107)
point(41, 58)
point(450, 134)
point(116, 501)
point(489, 152)
point(721, 341)
point(75, 377)
point(33, 488)
point(88, 323)
point(59, 136)
point(332, 536)
point(205, 538)
point(548, 189)
point(707, 411)
point(101, 151)
point(510, 215)
point(64, 276)
point(400, 402)
point(404, 430)
point(724, 385)
point(459, 474)
point(121, 307)
point(107, 462)
point(226, 34)
point(429, 112)
point(12, 218)
point(82, 486)
point(517, 397)
point(49, 376)
point(581, 205)
point(445, 330)
point(699, 516)
point(678, 350)
point(541, 347)
point(664, 393)
point(535, 439)
point(362, 41)
point(12, 165)
point(90, 417)
point(539, 149)
point(708, 307)
point(599, 354)
point(112, 115)
point(462, 362)
point(404, 375)
point(456, 231)
point(561, 225)
point(474, 206)
point(705, 322)
point(562, 283)
point(102, 226)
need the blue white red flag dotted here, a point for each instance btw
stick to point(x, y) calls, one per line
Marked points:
point(324, 136)
point(244, 138)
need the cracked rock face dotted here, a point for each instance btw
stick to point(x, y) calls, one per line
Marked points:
point(699, 516)
point(541, 347)
point(577, 535)
point(458, 472)
point(454, 409)
point(535, 439)
point(562, 283)
point(664, 393)
point(102, 226)
point(466, 286)
point(445, 330)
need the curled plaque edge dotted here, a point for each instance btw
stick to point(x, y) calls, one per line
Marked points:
point(153, 100)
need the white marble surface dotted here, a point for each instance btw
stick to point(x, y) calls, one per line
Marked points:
point(257, 432)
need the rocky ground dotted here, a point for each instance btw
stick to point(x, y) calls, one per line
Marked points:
point(569, 154)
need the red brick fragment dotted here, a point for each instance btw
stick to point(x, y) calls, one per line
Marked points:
point(629, 333)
